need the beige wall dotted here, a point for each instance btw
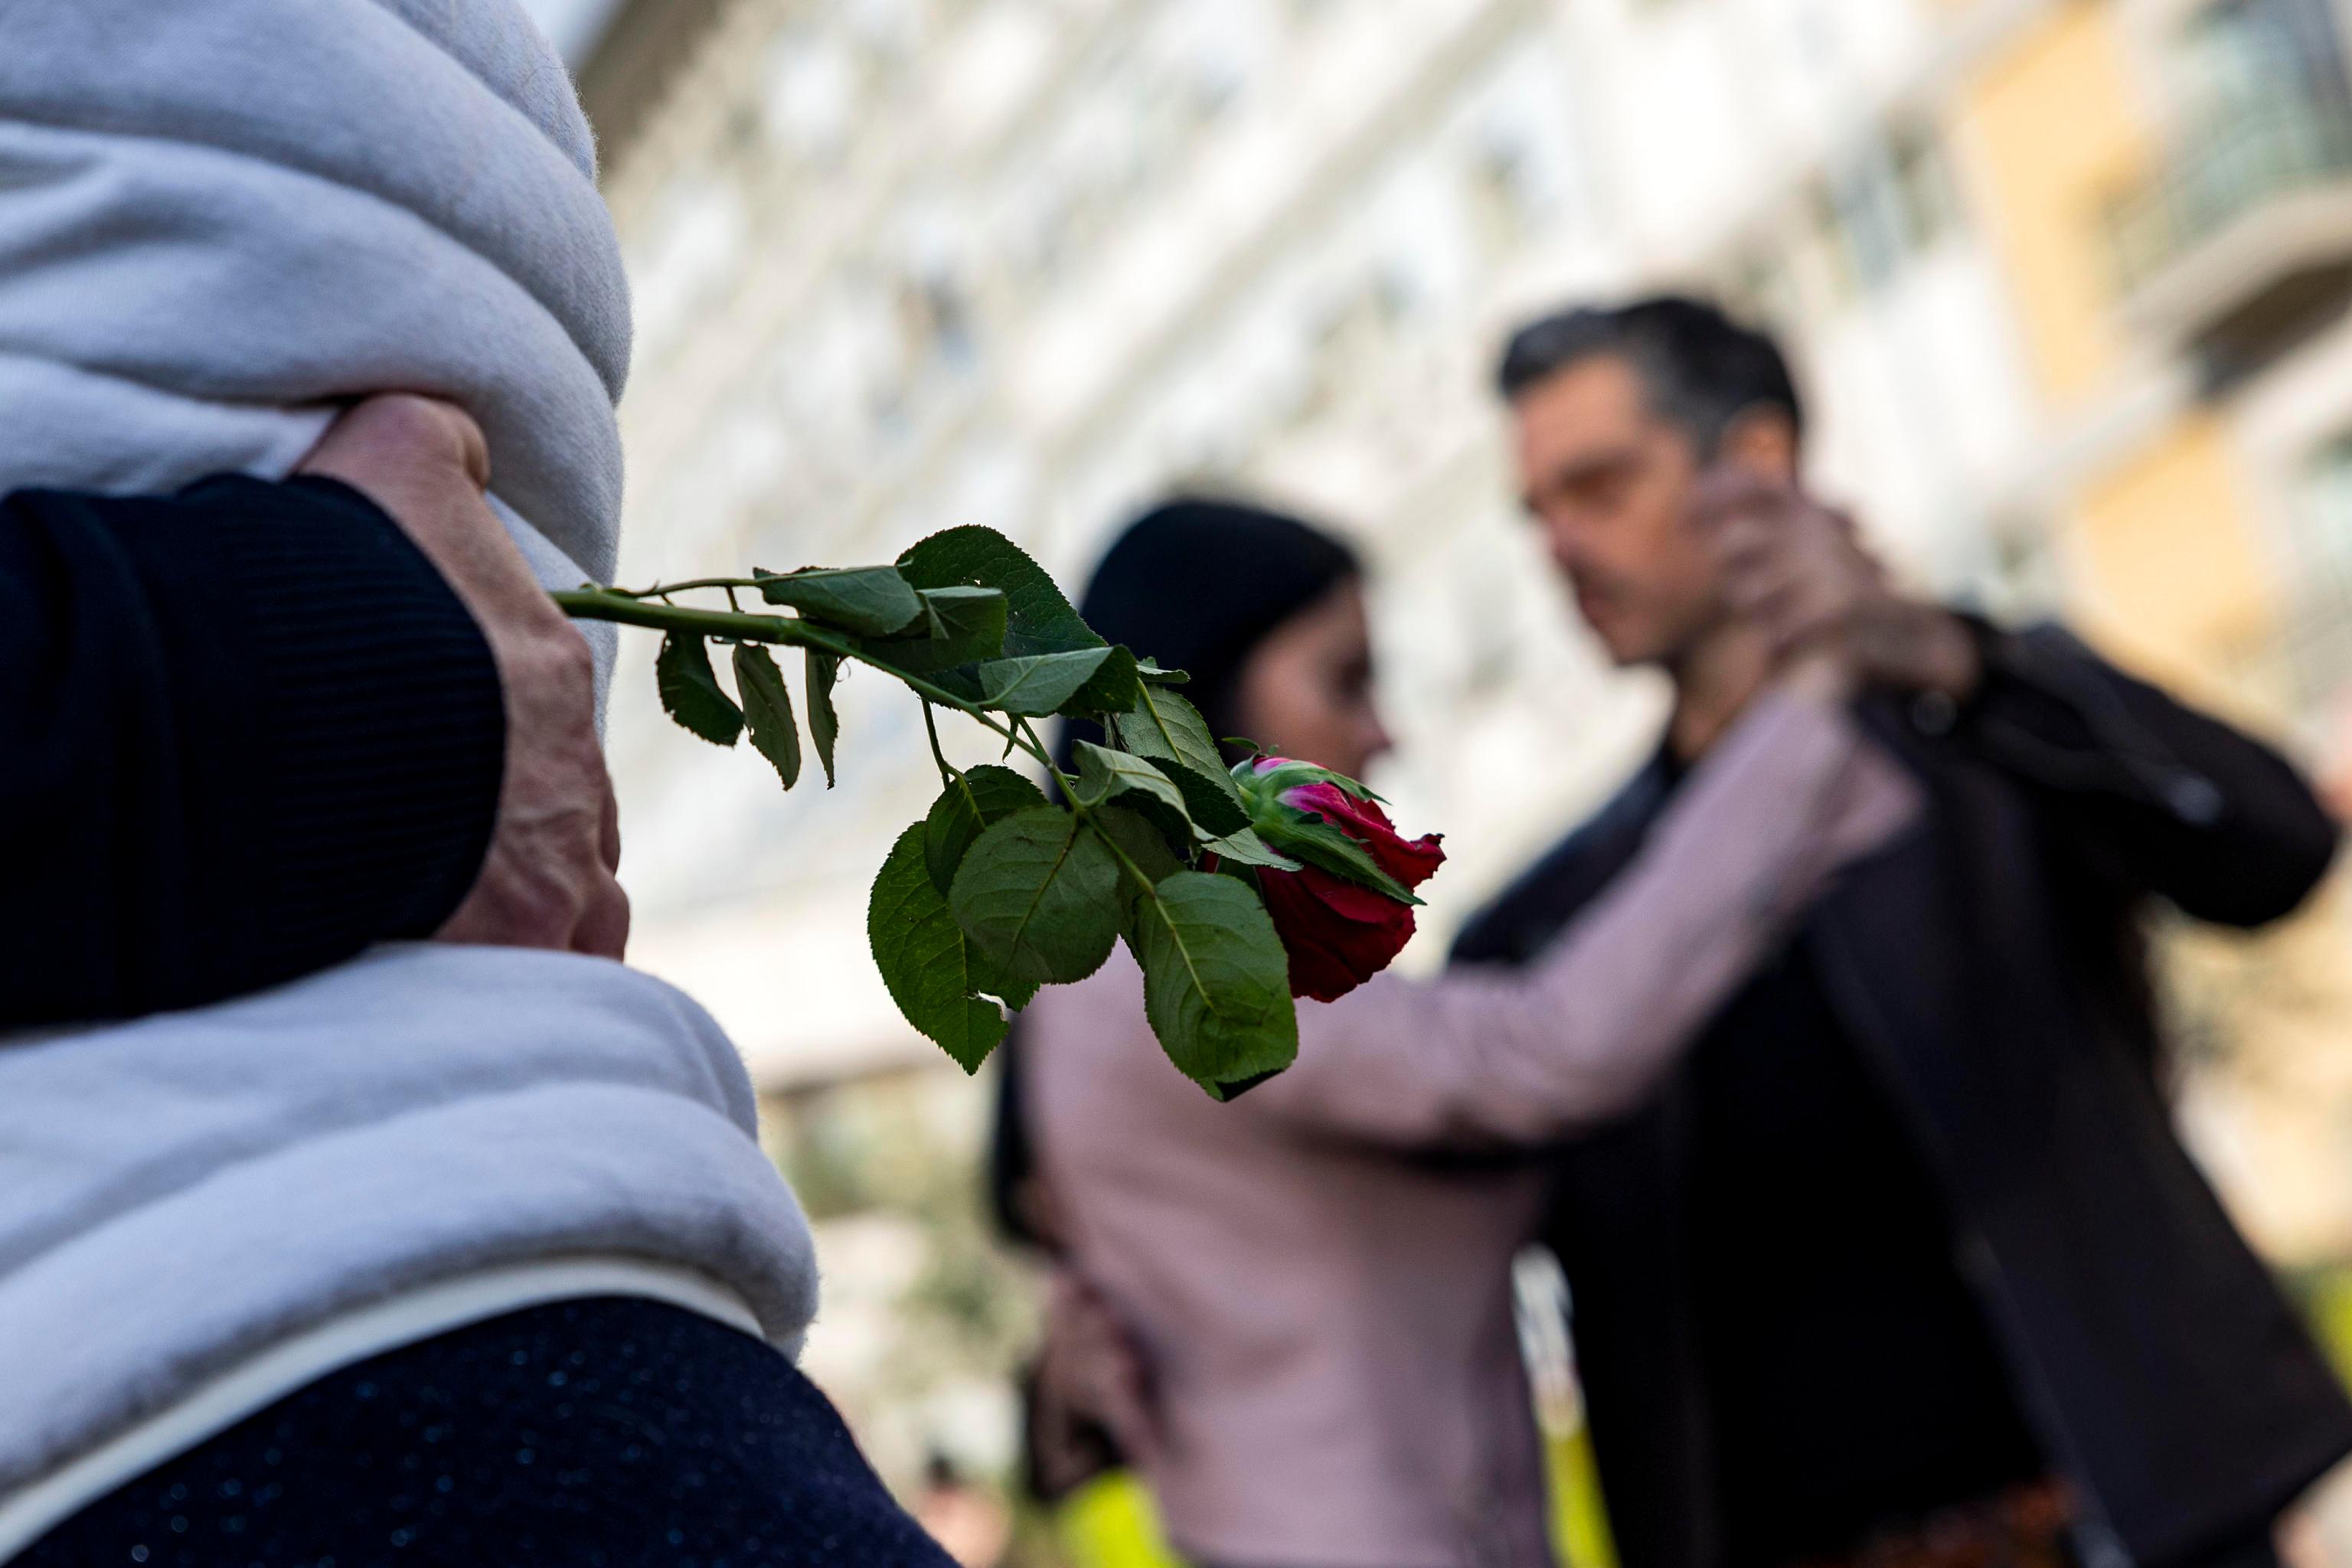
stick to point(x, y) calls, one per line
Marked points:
point(2167, 574)
point(2053, 128)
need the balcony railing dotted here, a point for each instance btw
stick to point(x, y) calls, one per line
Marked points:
point(2240, 218)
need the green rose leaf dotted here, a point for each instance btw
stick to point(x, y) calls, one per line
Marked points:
point(1216, 981)
point(1113, 689)
point(1211, 808)
point(1246, 874)
point(1171, 731)
point(1148, 670)
point(966, 626)
point(1246, 848)
point(925, 959)
point(964, 810)
point(690, 692)
point(1139, 837)
point(1040, 683)
point(1106, 775)
point(960, 626)
point(767, 709)
point(871, 600)
point(1318, 842)
point(824, 723)
point(1040, 619)
point(989, 980)
point(1038, 893)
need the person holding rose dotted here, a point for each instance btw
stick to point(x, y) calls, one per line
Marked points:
point(355, 1205)
point(1325, 1311)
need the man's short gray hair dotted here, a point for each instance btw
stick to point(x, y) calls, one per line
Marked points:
point(1699, 369)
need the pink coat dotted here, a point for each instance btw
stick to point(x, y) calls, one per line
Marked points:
point(1328, 1321)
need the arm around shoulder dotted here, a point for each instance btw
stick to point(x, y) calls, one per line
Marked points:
point(1483, 1057)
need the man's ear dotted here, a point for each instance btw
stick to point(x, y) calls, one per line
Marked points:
point(1763, 440)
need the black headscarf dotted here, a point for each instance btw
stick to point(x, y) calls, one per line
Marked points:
point(1196, 584)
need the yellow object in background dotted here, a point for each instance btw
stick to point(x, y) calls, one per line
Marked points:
point(1579, 1524)
point(1110, 1523)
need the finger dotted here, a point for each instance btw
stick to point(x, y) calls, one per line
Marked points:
point(1760, 581)
point(1729, 491)
point(1747, 545)
point(384, 434)
point(1749, 542)
point(1121, 1392)
point(1110, 1365)
point(1138, 1430)
point(603, 928)
point(1779, 620)
point(608, 834)
point(1804, 620)
point(1744, 530)
point(1073, 1313)
point(1734, 485)
point(1774, 601)
point(1846, 531)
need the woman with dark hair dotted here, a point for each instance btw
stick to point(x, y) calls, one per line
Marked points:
point(1324, 1319)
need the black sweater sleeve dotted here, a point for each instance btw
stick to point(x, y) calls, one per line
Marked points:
point(245, 731)
point(2149, 793)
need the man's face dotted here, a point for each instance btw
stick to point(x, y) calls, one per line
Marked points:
point(1611, 484)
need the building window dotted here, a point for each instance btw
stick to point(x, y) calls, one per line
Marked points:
point(2239, 54)
point(1855, 230)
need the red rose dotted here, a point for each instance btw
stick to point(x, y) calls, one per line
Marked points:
point(1339, 933)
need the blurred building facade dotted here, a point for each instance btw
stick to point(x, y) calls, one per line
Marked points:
point(2066, 278)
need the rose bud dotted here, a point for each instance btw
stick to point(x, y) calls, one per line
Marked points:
point(1339, 932)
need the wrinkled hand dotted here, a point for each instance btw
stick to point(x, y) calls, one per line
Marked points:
point(1092, 1368)
point(1797, 572)
point(549, 880)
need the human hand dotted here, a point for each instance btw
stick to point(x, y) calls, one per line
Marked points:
point(1091, 1368)
point(549, 879)
point(1829, 616)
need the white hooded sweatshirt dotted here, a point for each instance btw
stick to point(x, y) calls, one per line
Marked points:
point(216, 219)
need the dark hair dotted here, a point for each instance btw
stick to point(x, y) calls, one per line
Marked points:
point(1700, 369)
point(1195, 584)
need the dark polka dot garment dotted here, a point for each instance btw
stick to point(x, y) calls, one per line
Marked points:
point(609, 1433)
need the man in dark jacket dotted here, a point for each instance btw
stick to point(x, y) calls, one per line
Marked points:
point(1906, 1260)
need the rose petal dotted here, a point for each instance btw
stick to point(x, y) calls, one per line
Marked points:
point(1409, 861)
point(1329, 800)
point(1331, 951)
point(1412, 861)
point(1349, 901)
point(1312, 936)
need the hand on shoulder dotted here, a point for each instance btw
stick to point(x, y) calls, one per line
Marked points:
point(1833, 619)
point(549, 879)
